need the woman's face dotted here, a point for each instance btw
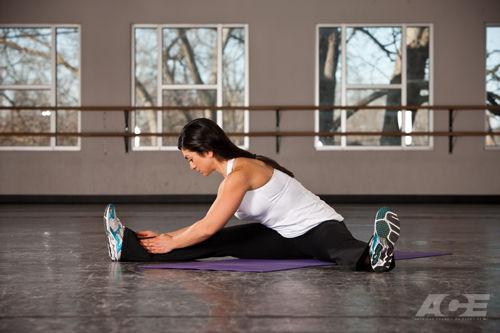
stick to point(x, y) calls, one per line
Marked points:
point(203, 163)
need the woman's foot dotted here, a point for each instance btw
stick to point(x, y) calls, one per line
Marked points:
point(385, 236)
point(114, 230)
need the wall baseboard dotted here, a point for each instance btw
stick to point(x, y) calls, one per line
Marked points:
point(412, 199)
point(207, 198)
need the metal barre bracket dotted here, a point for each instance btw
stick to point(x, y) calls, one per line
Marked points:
point(278, 137)
point(450, 129)
point(126, 138)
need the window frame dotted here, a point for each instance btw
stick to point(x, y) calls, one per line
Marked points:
point(488, 25)
point(162, 87)
point(52, 87)
point(403, 86)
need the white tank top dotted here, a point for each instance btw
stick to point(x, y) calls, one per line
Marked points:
point(284, 205)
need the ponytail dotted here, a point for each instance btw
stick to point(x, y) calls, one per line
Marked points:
point(274, 164)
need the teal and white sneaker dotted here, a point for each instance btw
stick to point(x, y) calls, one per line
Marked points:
point(114, 230)
point(385, 236)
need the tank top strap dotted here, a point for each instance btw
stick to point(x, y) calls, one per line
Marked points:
point(229, 166)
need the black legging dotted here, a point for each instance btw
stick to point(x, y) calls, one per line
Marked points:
point(329, 241)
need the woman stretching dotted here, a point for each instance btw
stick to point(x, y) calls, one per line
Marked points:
point(294, 223)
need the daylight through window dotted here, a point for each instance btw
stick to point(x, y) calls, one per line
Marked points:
point(39, 66)
point(189, 66)
point(493, 84)
point(379, 66)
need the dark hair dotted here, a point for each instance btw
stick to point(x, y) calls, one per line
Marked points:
point(203, 135)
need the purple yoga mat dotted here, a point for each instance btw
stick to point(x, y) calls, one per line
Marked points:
point(270, 265)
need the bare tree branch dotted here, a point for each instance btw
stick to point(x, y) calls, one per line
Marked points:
point(60, 59)
point(10, 100)
point(492, 99)
point(144, 92)
point(190, 57)
point(365, 101)
point(492, 71)
point(377, 42)
point(193, 67)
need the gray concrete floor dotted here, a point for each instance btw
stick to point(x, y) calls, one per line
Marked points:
point(55, 275)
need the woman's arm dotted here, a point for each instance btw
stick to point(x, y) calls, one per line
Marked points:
point(151, 234)
point(229, 196)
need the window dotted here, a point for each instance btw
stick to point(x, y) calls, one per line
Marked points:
point(374, 66)
point(188, 66)
point(493, 84)
point(39, 66)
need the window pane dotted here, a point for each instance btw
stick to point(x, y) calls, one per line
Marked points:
point(146, 82)
point(373, 64)
point(189, 56)
point(146, 67)
point(233, 80)
point(25, 56)
point(373, 55)
point(174, 121)
point(25, 120)
point(68, 66)
point(67, 122)
point(26, 59)
point(189, 59)
point(493, 83)
point(330, 82)
point(416, 121)
point(233, 121)
point(145, 121)
point(68, 87)
point(417, 91)
point(373, 120)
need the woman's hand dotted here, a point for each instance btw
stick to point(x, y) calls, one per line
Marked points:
point(146, 234)
point(160, 244)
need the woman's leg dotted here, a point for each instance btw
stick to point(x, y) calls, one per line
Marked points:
point(249, 241)
point(332, 241)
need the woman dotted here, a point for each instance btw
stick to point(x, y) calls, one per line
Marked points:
point(294, 223)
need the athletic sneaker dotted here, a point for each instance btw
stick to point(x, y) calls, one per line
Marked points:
point(114, 230)
point(385, 235)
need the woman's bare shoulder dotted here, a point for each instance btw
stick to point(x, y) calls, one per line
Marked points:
point(256, 172)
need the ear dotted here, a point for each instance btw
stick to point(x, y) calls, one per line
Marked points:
point(209, 153)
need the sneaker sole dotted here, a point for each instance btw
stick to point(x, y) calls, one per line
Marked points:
point(387, 229)
point(112, 246)
point(388, 226)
